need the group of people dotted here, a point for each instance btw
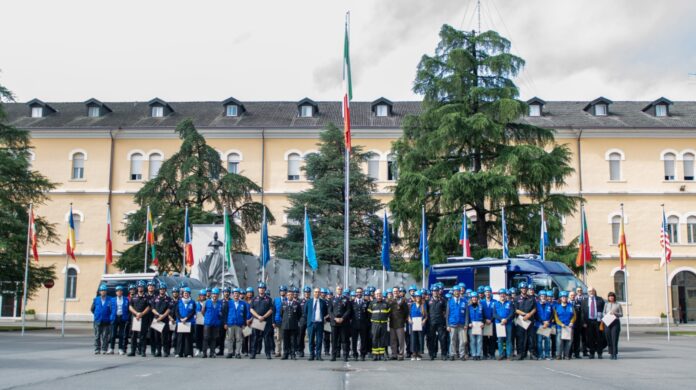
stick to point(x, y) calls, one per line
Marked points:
point(399, 324)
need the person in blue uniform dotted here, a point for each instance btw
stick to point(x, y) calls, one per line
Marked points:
point(160, 311)
point(118, 326)
point(488, 304)
point(417, 311)
point(262, 310)
point(503, 313)
point(103, 316)
point(237, 317)
point(456, 325)
point(564, 316)
point(212, 322)
point(543, 320)
point(185, 314)
point(475, 318)
point(199, 321)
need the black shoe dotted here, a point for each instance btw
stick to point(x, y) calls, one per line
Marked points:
point(238, 356)
point(131, 354)
point(345, 358)
point(213, 356)
point(166, 355)
point(301, 354)
point(311, 358)
point(229, 356)
point(143, 354)
point(252, 357)
point(375, 358)
point(362, 358)
point(268, 356)
point(333, 358)
point(205, 355)
point(599, 356)
point(591, 357)
point(432, 357)
point(285, 357)
point(320, 358)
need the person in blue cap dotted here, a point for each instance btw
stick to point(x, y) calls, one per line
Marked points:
point(262, 311)
point(160, 310)
point(185, 314)
point(220, 342)
point(543, 321)
point(173, 306)
point(379, 316)
point(488, 304)
point(503, 313)
point(456, 325)
point(277, 318)
point(212, 322)
point(398, 321)
point(140, 308)
point(417, 317)
point(291, 312)
point(437, 323)
point(103, 316)
point(476, 321)
point(340, 313)
point(525, 310)
point(247, 296)
point(120, 305)
point(200, 323)
point(302, 332)
point(564, 316)
point(237, 318)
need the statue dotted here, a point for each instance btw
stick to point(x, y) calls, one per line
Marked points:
point(210, 269)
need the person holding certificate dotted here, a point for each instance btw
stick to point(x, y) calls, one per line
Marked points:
point(503, 313)
point(564, 316)
point(475, 320)
point(186, 321)
point(139, 308)
point(212, 322)
point(417, 315)
point(612, 325)
point(544, 316)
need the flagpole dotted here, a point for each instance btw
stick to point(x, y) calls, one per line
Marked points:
point(108, 214)
point(625, 269)
point(146, 239)
point(464, 242)
point(183, 263)
point(423, 238)
point(664, 256)
point(346, 217)
point(582, 231)
point(263, 249)
point(542, 245)
point(26, 271)
point(304, 247)
point(65, 290)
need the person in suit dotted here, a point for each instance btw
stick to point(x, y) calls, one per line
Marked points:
point(315, 312)
point(592, 308)
point(360, 325)
point(613, 330)
point(398, 318)
point(291, 312)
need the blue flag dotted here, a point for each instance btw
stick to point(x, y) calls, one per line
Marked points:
point(506, 251)
point(265, 248)
point(309, 245)
point(543, 236)
point(423, 244)
point(386, 243)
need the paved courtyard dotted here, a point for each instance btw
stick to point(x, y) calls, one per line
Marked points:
point(41, 359)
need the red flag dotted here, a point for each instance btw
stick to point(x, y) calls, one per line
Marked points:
point(32, 236)
point(71, 242)
point(347, 87)
point(584, 252)
point(109, 249)
point(188, 247)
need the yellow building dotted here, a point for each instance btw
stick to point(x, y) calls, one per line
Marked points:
point(640, 154)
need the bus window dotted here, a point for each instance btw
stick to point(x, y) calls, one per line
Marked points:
point(448, 283)
point(482, 277)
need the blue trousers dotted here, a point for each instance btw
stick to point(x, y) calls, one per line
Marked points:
point(315, 333)
point(543, 347)
point(506, 341)
point(475, 344)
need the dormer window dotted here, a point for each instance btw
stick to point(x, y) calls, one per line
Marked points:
point(382, 110)
point(536, 106)
point(157, 111)
point(95, 108)
point(37, 112)
point(661, 110)
point(232, 110)
point(93, 111)
point(658, 108)
point(306, 111)
point(600, 109)
point(382, 107)
point(535, 110)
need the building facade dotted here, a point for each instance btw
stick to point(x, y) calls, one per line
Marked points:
point(640, 154)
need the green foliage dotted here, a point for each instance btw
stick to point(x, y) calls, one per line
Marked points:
point(20, 186)
point(325, 208)
point(468, 152)
point(193, 177)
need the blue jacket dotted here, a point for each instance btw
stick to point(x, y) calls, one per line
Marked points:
point(456, 313)
point(187, 311)
point(125, 314)
point(488, 307)
point(564, 315)
point(475, 313)
point(544, 313)
point(415, 311)
point(309, 311)
point(102, 310)
point(277, 309)
point(213, 313)
point(238, 316)
point(503, 311)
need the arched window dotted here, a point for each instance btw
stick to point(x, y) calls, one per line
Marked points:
point(77, 221)
point(155, 165)
point(233, 162)
point(620, 286)
point(392, 169)
point(673, 228)
point(78, 166)
point(688, 166)
point(669, 159)
point(615, 229)
point(691, 230)
point(71, 292)
point(615, 166)
point(294, 161)
point(136, 166)
point(373, 166)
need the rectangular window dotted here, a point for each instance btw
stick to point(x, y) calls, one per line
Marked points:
point(306, 111)
point(373, 168)
point(382, 110)
point(232, 110)
point(93, 111)
point(688, 166)
point(614, 170)
point(673, 228)
point(601, 109)
point(660, 110)
point(392, 171)
point(36, 112)
point(691, 231)
point(535, 110)
point(669, 169)
point(157, 112)
point(615, 228)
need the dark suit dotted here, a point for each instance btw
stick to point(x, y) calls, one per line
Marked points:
point(360, 327)
point(579, 343)
point(595, 342)
point(340, 308)
point(291, 312)
point(315, 325)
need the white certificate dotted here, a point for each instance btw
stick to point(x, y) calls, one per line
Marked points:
point(566, 333)
point(546, 332)
point(608, 319)
point(157, 325)
point(553, 330)
point(199, 318)
point(172, 326)
point(246, 331)
point(258, 325)
point(183, 327)
point(476, 328)
point(500, 330)
point(520, 321)
point(137, 324)
point(327, 327)
point(488, 330)
point(417, 324)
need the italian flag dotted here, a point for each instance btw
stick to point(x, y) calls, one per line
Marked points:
point(32, 235)
point(584, 252)
point(347, 86)
point(228, 241)
point(109, 255)
point(151, 237)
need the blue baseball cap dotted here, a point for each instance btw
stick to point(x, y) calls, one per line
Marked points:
point(175, 290)
point(448, 295)
point(250, 290)
point(162, 285)
point(487, 288)
point(141, 283)
point(512, 290)
point(203, 291)
point(418, 294)
point(216, 290)
point(151, 283)
point(412, 287)
point(456, 288)
point(226, 289)
point(473, 295)
point(469, 291)
point(119, 288)
point(522, 285)
point(187, 289)
point(436, 287)
point(283, 288)
point(542, 292)
point(131, 286)
point(102, 287)
point(563, 294)
point(480, 289)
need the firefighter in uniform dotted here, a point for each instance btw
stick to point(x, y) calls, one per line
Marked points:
point(379, 315)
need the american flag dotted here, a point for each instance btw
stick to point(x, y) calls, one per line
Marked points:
point(664, 242)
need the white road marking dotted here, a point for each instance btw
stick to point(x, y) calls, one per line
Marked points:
point(563, 372)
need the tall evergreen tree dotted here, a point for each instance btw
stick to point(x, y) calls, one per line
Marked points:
point(20, 186)
point(193, 177)
point(325, 201)
point(468, 151)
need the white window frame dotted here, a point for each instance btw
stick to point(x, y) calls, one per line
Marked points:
point(157, 111)
point(294, 164)
point(136, 167)
point(660, 110)
point(158, 158)
point(37, 112)
point(382, 110)
point(608, 156)
point(231, 110)
point(691, 229)
point(93, 111)
point(373, 160)
point(77, 173)
point(615, 229)
point(601, 109)
point(688, 165)
point(71, 293)
point(669, 157)
point(231, 159)
point(673, 228)
point(535, 110)
point(306, 111)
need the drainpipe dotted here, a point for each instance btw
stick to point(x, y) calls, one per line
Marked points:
point(579, 151)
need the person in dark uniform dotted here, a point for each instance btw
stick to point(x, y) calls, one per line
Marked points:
point(185, 313)
point(160, 310)
point(576, 301)
point(173, 307)
point(360, 325)
point(302, 331)
point(139, 308)
point(262, 310)
point(526, 309)
point(437, 324)
point(488, 304)
point(339, 311)
point(290, 313)
point(248, 297)
point(592, 308)
point(220, 343)
point(328, 296)
point(151, 294)
point(212, 317)
point(379, 316)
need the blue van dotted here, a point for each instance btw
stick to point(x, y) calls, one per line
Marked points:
point(113, 280)
point(501, 273)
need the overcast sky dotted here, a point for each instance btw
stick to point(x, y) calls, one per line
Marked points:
point(127, 50)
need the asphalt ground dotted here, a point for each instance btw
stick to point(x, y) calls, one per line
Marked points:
point(43, 360)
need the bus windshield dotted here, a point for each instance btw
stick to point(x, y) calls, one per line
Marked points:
point(568, 282)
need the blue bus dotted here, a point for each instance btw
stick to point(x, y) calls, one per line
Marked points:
point(501, 273)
